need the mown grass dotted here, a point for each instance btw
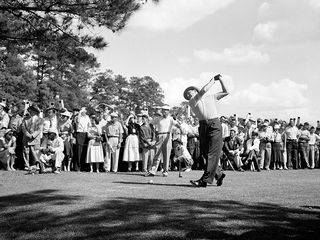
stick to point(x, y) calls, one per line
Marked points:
point(249, 205)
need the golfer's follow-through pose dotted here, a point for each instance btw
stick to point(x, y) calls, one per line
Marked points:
point(204, 107)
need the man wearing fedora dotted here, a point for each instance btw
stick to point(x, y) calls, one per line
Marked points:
point(204, 106)
point(32, 133)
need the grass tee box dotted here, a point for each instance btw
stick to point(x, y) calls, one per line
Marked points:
point(250, 205)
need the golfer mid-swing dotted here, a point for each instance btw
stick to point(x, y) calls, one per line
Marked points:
point(204, 107)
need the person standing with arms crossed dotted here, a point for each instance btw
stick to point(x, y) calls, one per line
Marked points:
point(204, 106)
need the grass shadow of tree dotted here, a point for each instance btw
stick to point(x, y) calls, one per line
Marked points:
point(50, 215)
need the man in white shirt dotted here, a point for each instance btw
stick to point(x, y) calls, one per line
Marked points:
point(252, 150)
point(164, 125)
point(225, 127)
point(204, 106)
point(292, 134)
point(82, 122)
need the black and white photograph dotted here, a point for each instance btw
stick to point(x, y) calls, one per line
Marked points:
point(159, 119)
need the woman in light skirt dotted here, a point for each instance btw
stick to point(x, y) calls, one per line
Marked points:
point(131, 147)
point(95, 150)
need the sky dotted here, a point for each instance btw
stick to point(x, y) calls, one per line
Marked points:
point(268, 53)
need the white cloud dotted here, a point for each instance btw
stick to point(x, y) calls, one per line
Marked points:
point(264, 9)
point(237, 54)
point(175, 15)
point(288, 22)
point(283, 98)
point(282, 94)
point(174, 88)
point(184, 60)
point(265, 31)
point(315, 3)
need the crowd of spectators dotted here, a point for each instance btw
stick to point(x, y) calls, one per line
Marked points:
point(58, 140)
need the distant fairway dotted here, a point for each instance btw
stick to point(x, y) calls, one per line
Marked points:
point(249, 205)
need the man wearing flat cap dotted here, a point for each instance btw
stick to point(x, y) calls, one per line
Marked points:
point(204, 106)
point(164, 125)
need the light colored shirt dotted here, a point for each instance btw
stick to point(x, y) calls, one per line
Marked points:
point(4, 120)
point(292, 133)
point(164, 125)
point(276, 137)
point(176, 134)
point(113, 129)
point(304, 135)
point(57, 144)
point(184, 133)
point(253, 145)
point(182, 151)
point(204, 107)
point(83, 123)
point(313, 138)
point(50, 124)
point(193, 131)
point(225, 130)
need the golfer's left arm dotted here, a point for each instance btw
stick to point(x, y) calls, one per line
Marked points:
point(224, 91)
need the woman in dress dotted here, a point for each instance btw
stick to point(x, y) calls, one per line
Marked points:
point(95, 151)
point(131, 147)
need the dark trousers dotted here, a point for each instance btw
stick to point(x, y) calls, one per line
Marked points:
point(19, 150)
point(276, 155)
point(253, 156)
point(210, 133)
point(292, 152)
point(193, 147)
point(303, 149)
point(80, 156)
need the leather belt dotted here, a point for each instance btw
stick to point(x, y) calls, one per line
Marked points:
point(208, 120)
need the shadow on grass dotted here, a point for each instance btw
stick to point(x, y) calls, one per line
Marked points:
point(50, 215)
point(156, 184)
